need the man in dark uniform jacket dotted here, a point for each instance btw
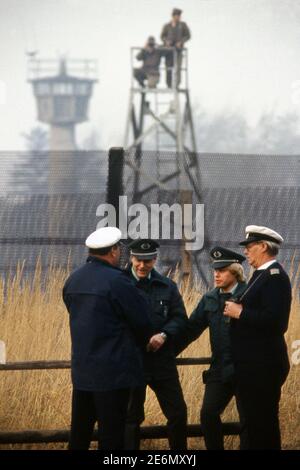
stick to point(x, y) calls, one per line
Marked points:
point(174, 35)
point(169, 317)
point(258, 326)
point(219, 380)
point(107, 331)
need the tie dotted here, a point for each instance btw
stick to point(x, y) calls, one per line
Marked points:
point(225, 295)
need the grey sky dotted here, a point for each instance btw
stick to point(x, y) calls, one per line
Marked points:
point(244, 56)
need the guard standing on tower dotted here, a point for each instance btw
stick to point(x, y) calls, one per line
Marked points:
point(174, 35)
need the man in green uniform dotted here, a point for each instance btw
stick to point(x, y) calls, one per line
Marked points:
point(219, 380)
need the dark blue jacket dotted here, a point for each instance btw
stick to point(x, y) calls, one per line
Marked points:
point(168, 315)
point(258, 335)
point(109, 322)
point(209, 314)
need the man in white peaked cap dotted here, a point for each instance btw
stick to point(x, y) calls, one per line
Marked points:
point(258, 324)
point(107, 333)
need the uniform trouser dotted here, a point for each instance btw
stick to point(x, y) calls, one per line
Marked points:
point(140, 76)
point(217, 395)
point(170, 397)
point(259, 390)
point(152, 77)
point(170, 68)
point(108, 409)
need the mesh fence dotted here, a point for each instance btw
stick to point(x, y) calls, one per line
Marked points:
point(49, 201)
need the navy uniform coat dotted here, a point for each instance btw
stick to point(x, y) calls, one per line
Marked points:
point(209, 314)
point(260, 354)
point(168, 315)
point(258, 335)
point(109, 320)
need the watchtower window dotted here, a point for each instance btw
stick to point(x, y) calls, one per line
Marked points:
point(42, 88)
point(83, 89)
point(63, 88)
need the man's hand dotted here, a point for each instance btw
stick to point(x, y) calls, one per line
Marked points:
point(179, 45)
point(232, 309)
point(155, 342)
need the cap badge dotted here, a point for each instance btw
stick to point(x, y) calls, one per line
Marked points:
point(217, 254)
point(145, 246)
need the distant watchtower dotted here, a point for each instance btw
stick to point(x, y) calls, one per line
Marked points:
point(62, 90)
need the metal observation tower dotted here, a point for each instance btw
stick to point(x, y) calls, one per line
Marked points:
point(160, 119)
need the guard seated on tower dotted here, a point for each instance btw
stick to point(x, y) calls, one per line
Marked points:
point(151, 55)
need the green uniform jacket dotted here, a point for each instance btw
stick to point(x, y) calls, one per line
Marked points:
point(209, 314)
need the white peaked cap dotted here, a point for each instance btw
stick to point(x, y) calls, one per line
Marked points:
point(103, 237)
point(264, 231)
point(255, 233)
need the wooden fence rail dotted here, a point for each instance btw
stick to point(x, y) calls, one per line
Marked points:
point(35, 365)
point(61, 435)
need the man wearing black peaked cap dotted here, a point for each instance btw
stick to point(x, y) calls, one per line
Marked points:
point(107, 333)
point(169, 317)
point(259, 322)
point(219, 379)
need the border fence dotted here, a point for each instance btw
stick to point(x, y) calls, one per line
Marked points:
point(40, 219)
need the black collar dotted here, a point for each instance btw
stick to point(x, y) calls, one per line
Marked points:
point(155, 276)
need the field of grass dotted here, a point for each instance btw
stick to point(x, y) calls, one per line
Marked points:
point(34, 326)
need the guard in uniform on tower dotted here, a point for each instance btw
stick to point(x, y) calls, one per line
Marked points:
point(259, 322)
point(174, 35)
point(169, 319)
point(151, 56)
point(219, 379)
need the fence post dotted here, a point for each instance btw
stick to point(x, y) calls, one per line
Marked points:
point(2, 353)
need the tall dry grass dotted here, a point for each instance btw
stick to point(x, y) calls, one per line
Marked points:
point(34, 326)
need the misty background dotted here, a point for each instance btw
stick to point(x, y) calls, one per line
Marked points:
point(244, 71)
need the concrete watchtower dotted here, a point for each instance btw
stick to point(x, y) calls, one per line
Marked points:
point(62, 97)
point(62, 90)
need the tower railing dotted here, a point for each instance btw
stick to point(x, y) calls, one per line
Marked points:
point(163, 69)
point(81, 68)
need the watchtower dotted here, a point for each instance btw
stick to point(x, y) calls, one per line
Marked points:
point(160, 118)
point(62, 90)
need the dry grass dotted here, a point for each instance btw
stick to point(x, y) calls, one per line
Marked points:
point(34, 326)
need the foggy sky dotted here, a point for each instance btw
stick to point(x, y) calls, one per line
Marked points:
point(244, 58)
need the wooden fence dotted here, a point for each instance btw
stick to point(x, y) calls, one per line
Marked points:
point(61, 435)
